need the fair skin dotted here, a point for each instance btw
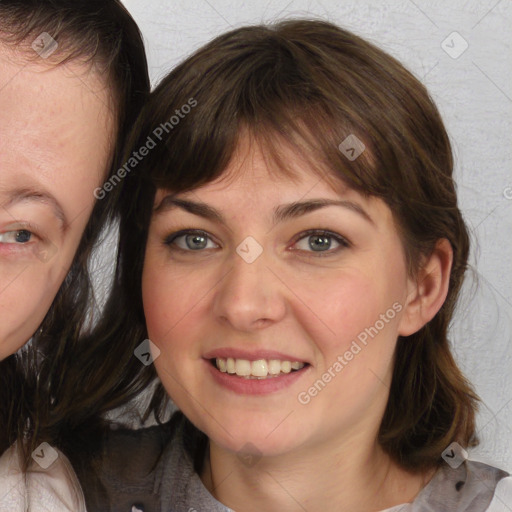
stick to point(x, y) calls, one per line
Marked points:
point(56, 132)
point(304, 300)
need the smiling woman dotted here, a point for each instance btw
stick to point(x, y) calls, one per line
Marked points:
point(297, 232)
point(72, 80)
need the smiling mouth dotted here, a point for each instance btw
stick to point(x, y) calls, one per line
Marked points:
point(260, 369)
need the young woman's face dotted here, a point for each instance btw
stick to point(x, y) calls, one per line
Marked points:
point(56, 132)
point(276, 305)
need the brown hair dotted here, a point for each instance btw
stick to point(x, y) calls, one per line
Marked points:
point(103, 34)
point(312, 84)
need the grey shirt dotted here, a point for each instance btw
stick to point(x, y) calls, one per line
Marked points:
point(151, 471)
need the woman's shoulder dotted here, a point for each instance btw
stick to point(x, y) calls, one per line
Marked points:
point(125, 471)
point(492, 482)
point(470, 486)
point(502, 499)
point(49, 483)
point(148, 469)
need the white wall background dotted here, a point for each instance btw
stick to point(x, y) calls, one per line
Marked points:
point(474, 94)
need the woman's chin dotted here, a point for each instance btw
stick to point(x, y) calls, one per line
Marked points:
point(257, 443)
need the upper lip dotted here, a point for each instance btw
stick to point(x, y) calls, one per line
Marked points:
point(250, 355)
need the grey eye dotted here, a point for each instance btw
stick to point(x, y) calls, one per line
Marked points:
point(195, 242)
point(191, 241)
point(319, 242)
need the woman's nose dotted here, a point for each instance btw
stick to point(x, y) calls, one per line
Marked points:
point(250, 296)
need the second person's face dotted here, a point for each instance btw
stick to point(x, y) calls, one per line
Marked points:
point(56, 134)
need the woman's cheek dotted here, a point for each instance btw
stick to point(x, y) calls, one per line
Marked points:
point(23, 306)
point(345, 304)
point(167, 302)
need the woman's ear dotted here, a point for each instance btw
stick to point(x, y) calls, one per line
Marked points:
point(428, 290)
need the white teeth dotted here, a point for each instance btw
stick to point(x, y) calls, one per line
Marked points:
point(274, 367)
point(221, 364)
point(286, 367)
point(261, 368)
point(242, 367)
point(230, 365)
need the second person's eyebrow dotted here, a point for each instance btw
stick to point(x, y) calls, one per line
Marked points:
point(28, 194)
point(281, 213)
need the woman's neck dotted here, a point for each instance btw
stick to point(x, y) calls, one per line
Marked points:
point(354, 478)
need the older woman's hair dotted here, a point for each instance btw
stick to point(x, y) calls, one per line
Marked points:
point(100, 33)
point(311, 85)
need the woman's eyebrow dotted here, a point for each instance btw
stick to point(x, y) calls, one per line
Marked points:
point(293, 210)
point(200, 209)
point(26, 194)
point(281, 213)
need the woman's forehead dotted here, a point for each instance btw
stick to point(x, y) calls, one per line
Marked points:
point(271, 196)
point(255, 162)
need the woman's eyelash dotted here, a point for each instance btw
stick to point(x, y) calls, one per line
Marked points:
point(191, 237)
point(17, 236)
point(21, 234)
point(324, 240)
point(320, 241)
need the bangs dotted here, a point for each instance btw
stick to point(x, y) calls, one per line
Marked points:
point(196, 152)
point(351, 113)
point(279, 91)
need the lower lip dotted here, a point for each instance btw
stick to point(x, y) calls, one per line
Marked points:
point(244, 386)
